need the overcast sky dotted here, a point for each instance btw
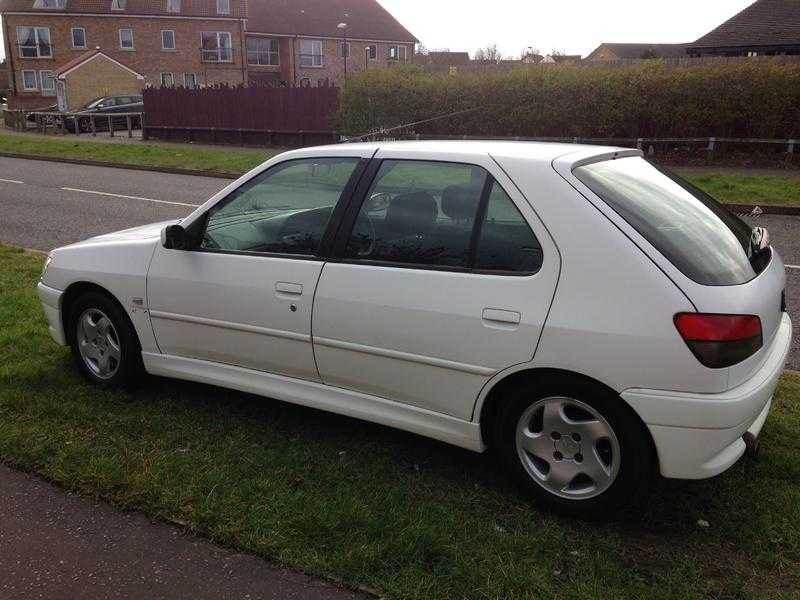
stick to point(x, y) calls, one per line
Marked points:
point(572, 26)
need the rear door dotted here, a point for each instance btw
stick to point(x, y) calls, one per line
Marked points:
point(442, 276)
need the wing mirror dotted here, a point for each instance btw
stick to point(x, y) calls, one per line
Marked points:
point(174, 237)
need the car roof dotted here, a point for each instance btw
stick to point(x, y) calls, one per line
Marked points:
point(536, 151)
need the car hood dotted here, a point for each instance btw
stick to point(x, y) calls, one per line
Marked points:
point(144, 232)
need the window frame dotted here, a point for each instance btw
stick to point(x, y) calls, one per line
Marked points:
point(37, 45)
point(173, 6)
point(133, 43)
point(25, 87)
point(198, 226)
point(171, 76)
point(174, 46)
point(339, 248)
point(259, 53)
point(50, 92)
point(72, 37)
point(223, 7)
point(219, 49)
point(312, 55)
point(185, 85)
point(59, 5)
point(341, 48)
point(372, 56)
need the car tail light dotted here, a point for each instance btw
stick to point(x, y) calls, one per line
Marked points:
point(720, 341)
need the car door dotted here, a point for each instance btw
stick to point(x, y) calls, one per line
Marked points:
point(442, 277)
point(244, 296)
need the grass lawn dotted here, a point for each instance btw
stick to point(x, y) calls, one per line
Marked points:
point(741, 188)
point(152, 154)
point(374, 507)
point(748, 189)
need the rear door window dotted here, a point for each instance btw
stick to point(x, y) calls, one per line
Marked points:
point(693, 231)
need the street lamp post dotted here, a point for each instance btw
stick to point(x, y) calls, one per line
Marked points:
point(345, 50)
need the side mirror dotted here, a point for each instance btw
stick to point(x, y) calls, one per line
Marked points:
point(174, 237)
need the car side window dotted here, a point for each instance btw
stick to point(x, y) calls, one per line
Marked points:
point(418, 213)
point(284, 210)
point(506, 242)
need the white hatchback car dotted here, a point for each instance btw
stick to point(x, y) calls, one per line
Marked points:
point(592, 318)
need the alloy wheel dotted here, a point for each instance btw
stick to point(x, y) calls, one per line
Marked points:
point(98, 343)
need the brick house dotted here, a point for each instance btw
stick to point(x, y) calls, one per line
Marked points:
point(765, 28)
point(611, 52)
point(199, 42)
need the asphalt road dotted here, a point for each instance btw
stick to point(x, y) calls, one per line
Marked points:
point(59, 546)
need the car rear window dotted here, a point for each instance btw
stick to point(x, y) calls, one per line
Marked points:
point(692, 230)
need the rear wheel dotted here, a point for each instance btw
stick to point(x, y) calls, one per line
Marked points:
point(103, 341)
point(574, 446)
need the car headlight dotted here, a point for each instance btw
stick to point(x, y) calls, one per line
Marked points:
point(47, 262)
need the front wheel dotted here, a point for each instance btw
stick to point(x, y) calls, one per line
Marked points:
point(103, 341)
point(574, 446)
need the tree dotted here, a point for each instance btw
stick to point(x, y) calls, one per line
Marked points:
point(490, 54)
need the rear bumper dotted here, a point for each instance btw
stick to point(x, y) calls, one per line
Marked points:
point(700, 435)
point(51, 302)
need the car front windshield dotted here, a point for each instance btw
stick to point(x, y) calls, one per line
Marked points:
point(692, 230)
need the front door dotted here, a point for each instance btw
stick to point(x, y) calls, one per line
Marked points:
point(244, 297)
point(444, 278)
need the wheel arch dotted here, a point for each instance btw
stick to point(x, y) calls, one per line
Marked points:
point(493, 399)
point(76, 290)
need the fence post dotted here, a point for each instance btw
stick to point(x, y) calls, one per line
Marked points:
point(94, 126)
point(712, 144)
point(639, 143)
point(110, 126)
point(130, 125)
point(790, 149)
point(141, 124)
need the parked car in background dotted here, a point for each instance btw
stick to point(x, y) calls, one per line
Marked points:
point(592, 318)
point(102, 108)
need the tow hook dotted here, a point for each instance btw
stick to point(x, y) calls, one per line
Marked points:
point(752, 443)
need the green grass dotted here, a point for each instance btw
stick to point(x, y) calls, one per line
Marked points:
point(371, 506)
point(151, 154)
point(749, 189)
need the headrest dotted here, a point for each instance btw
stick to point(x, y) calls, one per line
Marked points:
point(460, 202)
point(415, 207)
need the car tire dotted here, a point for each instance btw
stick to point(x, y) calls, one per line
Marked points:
point(104, 343)
point(85, 124)
point(574, 446)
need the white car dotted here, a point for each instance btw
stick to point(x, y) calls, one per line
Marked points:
point(592, 318)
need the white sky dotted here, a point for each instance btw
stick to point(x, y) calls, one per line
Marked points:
point(572, 26)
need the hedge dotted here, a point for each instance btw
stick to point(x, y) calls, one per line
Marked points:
point(759, 99)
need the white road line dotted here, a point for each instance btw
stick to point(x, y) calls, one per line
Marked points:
point(11, 181)
point(792, 266)
point(69, 189)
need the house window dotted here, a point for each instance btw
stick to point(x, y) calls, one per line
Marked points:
point(126, 39)
point(263, 51)
point(174, 6)
point(34, 42)
point(118, 4)
point(310, 53)
point(223, 7)
point(48, 83)
point(344, 49)
point(216, 46)
point(372, 51)
point(29, 80)
point(167, 39)
point(398, 53)
point(167, 80)
point(51, 4)
point(78, 37)
point(190, 81)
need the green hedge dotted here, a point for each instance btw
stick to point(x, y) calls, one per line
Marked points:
point(759, 99)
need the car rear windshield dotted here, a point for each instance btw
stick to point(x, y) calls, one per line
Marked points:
point(695, 232)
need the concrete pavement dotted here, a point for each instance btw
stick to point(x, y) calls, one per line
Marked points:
point(56, 545)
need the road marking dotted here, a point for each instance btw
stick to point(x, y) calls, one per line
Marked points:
point(792, 266)
point(11, 181)
point(69, 189)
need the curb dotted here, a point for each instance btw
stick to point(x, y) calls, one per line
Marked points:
point(99, 163)
point(792, 211)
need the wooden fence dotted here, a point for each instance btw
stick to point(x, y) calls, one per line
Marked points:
point(280, 116)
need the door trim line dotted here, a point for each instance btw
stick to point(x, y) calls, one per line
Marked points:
point(278, 333)
point(406, 356)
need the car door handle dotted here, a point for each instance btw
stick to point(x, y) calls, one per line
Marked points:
point(289, 289)
point(506, 317)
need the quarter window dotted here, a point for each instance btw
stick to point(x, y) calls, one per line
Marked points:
point(216, 46)
point(284, 210)
point(78, 37)
point(311, 53)
point(34, 42)
point(506, 241)
point(126, 39)
point(168, 39)
point(263, 51)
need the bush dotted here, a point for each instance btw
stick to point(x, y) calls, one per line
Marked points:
point(758, 99)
